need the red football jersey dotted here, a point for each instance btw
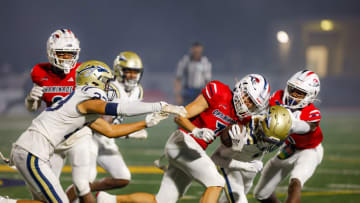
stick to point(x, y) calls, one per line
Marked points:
point(56, 86)
point(220, 112)
point(309, 114)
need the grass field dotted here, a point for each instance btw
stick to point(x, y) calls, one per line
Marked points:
point(337, 179)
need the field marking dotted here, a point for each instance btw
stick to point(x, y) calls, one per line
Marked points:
point(342, 159)
point(133, 169)
point(154, 170)
point(338, 171)
point(303, 194)
point(344, 186)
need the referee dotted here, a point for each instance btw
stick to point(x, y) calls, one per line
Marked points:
point(192, 74)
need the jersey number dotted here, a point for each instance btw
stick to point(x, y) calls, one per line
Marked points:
point(219, 127)
point(60, 103)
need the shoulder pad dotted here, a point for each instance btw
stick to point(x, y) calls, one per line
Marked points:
point(310, 114)
point(38, 72)
point(215, 91)
point(94, 93)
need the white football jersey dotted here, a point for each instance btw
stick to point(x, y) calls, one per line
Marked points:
point(60, 121)
point(135, 94)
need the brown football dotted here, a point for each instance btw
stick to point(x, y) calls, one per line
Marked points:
point(225, 137)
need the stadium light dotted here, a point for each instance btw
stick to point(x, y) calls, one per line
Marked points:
point(282, 37)
point(327, 25)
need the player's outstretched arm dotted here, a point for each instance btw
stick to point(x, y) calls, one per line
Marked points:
point(109, 130)
point(118, 130)
point(127, 108)
point(193, 109)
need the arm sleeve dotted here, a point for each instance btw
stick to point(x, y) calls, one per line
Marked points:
point(136, 108)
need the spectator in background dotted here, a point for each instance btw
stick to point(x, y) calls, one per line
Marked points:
point(193, 72)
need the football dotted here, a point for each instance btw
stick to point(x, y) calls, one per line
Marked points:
point(225, 137)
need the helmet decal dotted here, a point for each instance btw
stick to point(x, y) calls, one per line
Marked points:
point(91, 69)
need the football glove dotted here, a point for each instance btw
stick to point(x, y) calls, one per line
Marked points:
point(140, 134)
point(237, 137)
point(173, 109)
point(204, 133)
point(36, 92)
point(155, 118)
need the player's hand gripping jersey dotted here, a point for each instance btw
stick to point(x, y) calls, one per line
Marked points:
point(58, 122)
point(56, 85)
point(309, 114)
point(220, 112)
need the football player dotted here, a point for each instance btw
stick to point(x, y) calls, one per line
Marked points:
point(215, 108)
point(31, 152)
point(128, 71)
point(52, 82)
point(240, 162)
point(56, 79)
point(303, 151)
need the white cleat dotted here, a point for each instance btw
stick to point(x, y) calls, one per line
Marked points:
point(104, 197)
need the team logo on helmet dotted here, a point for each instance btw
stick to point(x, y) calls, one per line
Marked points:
point(89, 70)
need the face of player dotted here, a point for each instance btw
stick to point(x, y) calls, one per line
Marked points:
point(65, 55)
point(131, 74)
point(248, 102)
point(297, 94)
point(196, 52)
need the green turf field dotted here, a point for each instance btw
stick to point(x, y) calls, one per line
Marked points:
point(337, 180)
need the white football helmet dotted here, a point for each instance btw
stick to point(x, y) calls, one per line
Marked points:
point(304, 81)
point(63, 41)
point(257, 88)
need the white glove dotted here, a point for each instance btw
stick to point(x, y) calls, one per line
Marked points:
point(173, 109)
point(204, 133)
point(36, 92)
point(237, 137)
point(140, 134)
point(252, 166)
point(155, 118)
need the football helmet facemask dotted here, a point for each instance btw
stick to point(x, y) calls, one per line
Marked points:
point(305, 83)
point(94, 73)
point(254, 87)
point(128, 61)
point(63, 42)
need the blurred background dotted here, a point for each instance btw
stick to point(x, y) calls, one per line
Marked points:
point(275, 38)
